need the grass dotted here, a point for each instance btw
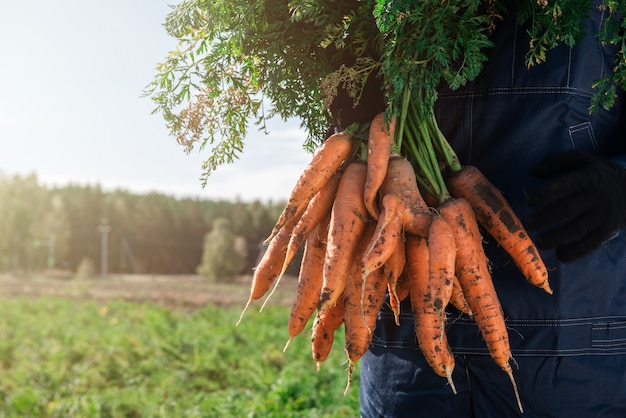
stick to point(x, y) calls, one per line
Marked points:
point(66, 358)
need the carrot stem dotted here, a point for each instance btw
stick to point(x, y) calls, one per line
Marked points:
point(429, 151)
point(422, 142)
point(401, 120)
point(442, 146)
point(424, 180)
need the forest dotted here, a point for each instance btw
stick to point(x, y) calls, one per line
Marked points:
point(46, 228)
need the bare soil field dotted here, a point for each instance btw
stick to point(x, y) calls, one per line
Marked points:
point(188, 291)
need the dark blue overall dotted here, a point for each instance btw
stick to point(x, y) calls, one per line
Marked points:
point(569, 348)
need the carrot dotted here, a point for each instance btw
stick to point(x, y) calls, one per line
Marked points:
point(318, 208)
point(457, 298)
point(362, 301)
point(309, 280)
point(495, 214)
point(402, 287)
point(326, 161)
point(393, 269)
point(388, 235)
point(268, 268)
point(394, 302)
point(323, 333)
point(403, 209)
point(347, 222)
point(429, 198)
point(379, 142)
point(441, 260)
point(360, 319)
point(472, 271)
point(427, 318)
point(400, 181)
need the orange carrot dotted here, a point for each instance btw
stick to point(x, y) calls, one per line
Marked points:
point(431, 201)
point(457, 298)
point(393, 269)
point(360, 319)
point(379, 143)
point(495, 214)
point(388, 235)
point(402, 287)
point(403, 210)
point(362, 301)
point(326, 161)
point(473, 274)
point(268, 268)
point(318, 208)
point(400, 181)
point(347, 222)
point(309, 280)
point(323, 333)
point(441, 259)
point(428, 321)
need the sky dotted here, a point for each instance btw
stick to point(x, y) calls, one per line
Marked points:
point(72, 73)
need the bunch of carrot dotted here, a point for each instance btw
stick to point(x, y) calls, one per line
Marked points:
point(368, 231)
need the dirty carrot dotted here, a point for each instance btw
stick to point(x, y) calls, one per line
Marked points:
point(404, 211)
point(400, 181)
point(457, 298)
point(363, 299)
point(379, 145)
point(472, 271)
point(309, 280)
point(347, 222)
point(393, 269)
point(402, 286)
point(388, 235)
point(428, 321)
point(268, 268)
point(495, 214)
point(323, 333)
point(441, 260)
point(326, 160)
point(318, 208)
point(360, 319)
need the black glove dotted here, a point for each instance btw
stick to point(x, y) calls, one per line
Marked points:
point(371, 103)
point(582, 204)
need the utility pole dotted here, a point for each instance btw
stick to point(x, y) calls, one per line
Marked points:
point(104, 229)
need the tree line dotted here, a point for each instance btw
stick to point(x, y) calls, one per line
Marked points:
point(61, 227)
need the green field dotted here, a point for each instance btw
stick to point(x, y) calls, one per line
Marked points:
point(61, 357)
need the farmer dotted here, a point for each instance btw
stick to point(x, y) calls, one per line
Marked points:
point(560, 167)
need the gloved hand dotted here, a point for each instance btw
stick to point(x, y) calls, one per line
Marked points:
point(581, 205)
point(371, 103)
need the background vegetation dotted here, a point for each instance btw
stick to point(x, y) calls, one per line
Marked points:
point(68, 358)
point(44, 227)
point(140, 345)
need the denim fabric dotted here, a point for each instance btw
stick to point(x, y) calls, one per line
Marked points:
point(506, 121)
point(398, 383)
point(570, 346)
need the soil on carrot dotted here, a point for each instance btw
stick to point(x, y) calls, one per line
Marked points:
point(179, 291)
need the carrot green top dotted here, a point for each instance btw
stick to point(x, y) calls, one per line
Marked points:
point(239, 61)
